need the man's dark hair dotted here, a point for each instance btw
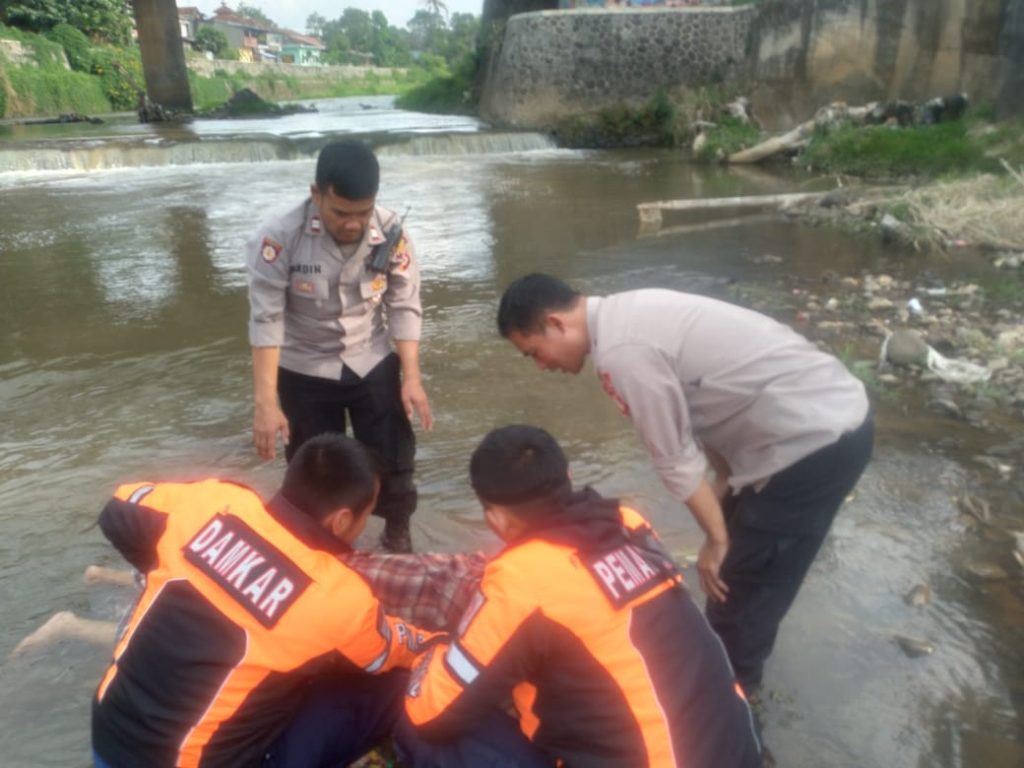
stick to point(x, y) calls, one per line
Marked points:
point(522, 467)
point(526, 300)
point(350, 168)
point(328, 472)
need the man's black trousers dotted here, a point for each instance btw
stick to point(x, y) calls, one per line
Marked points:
point(774, 536)
point(373, 405)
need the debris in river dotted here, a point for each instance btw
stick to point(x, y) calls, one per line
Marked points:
point(914, 647)
point(976, 507)
point(984, 571)
point(919, 597)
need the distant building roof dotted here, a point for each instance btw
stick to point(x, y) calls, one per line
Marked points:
point(295, 37)
point(189, 12)
point(227, 16)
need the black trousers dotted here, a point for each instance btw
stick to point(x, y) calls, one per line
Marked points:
point(774, 536)
point(373, 404)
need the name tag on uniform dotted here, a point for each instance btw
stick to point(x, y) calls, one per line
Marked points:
point(250, 569)
point(627, 572)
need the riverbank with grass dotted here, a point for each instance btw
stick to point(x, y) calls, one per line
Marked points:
point(64, 72)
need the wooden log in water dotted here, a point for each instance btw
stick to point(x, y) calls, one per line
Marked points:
point(651, 213)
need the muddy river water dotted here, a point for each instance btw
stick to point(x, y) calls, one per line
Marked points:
point(123, 355)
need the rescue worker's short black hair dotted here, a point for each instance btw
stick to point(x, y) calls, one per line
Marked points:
point(526, 300)
point(328, 472)
point(522, 467)
point(350, 168)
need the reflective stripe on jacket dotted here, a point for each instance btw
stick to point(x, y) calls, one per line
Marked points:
point(243, 603)
point(608, 661)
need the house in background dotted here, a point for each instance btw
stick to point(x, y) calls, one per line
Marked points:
point(241, 33)
point(301, 49)
point(189, 21)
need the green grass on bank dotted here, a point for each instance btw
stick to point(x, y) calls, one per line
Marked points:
point(104, 79)
point(49, 93)
point(209, 92)
point(884, 151)
point(443, 92)
point(730, 135)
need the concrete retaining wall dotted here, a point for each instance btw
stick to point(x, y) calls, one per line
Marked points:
point(791, 56)
point(553, 63)
point(207, 67)
point(805, 53)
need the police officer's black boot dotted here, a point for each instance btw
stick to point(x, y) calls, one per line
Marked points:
point(396, 537)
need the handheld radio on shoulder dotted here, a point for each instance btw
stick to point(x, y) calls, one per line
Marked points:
point(380, 258)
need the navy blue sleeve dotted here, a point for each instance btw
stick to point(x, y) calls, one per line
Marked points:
point(134, 530)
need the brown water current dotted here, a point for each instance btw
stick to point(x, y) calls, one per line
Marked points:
point(123, 356)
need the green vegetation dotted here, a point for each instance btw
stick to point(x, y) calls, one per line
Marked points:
point(210, 92)
point(444, 94)
point(650, 125)
point(100, 20)
point(75, 44)
point(212, 40)
point(93, 36)
point(48, 86)
point(729, 135)
point(927, 150)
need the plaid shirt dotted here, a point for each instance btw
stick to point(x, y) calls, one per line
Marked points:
point(429, 590)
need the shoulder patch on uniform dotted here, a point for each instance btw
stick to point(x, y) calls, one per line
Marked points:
point(252, 572)
point(270, 250)
point(627, 572)
point(606, 383)
point(401, 257)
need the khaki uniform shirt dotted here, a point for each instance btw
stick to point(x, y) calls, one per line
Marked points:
point(320, 303)
point(691, 371)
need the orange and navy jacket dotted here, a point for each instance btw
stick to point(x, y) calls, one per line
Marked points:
point(609, 662)
point(244, 602)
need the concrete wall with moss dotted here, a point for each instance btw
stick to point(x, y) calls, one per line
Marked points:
point(791, 56)
point(805, 53)
point(551, 64)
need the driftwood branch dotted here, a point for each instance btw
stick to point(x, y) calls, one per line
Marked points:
point(651, 213)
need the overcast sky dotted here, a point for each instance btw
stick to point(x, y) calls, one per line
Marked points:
point(293, 13)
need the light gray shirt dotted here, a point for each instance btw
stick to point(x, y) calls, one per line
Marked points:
point(320, 303)
point(691, 371)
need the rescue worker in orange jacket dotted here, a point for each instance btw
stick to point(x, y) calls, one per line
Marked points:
point(584, 619)
point(252, 644)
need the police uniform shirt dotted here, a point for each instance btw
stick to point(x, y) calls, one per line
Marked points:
point(321, 303)
point(691, 371)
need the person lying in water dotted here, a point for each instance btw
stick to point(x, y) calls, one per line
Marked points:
point(584, 620)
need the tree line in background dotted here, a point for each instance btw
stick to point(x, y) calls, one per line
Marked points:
point(431, 39)
point(95, 37)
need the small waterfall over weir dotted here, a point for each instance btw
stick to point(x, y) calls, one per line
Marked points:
point(111, 153)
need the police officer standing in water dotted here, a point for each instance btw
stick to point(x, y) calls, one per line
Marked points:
point(787, 429)
point(334, 325)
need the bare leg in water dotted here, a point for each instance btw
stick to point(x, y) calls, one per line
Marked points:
point(65, 625)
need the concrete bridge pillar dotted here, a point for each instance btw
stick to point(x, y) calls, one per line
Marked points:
point(163, 57)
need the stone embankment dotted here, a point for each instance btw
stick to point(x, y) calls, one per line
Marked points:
point(210, 67)
point(790, 55)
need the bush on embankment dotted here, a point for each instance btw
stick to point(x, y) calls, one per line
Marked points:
point(101, 78)
point(886, 151)
point(45, 86)
point(444, 92)
point(208, 92)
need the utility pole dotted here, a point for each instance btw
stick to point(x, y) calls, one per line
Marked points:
point(163, 56)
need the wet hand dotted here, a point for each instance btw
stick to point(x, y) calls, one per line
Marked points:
point(267, 422)
point(414, 398)
point(709, 566)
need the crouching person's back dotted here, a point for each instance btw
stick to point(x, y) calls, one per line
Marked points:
point(253, 644)
point(584, 625)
